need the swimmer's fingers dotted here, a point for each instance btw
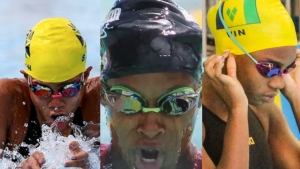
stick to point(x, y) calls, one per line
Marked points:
point(35, 161)
point(213, 66)
point(231, 67)
point(79, 156)
point(74, 147)
point(78, 163)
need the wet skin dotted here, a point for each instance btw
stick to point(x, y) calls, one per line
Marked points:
point(260, 92)
point(15, 106)
point(144, 131)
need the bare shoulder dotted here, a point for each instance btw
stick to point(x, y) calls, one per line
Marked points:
point(14, 106)
point(13, 89)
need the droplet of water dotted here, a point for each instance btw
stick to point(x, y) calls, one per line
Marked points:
point(16, 132)
point(24, 103)
point(71, 114)
point(25, 124)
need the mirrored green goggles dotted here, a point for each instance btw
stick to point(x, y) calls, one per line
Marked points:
point(175, 103)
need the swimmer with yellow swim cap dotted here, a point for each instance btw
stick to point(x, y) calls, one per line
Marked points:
point(256, 59)
point(55, 92)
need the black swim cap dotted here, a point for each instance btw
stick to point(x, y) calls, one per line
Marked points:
point(149, 36)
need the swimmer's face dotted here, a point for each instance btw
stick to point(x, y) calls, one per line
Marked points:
point(258, 88)
point(152, 140)
point(62, 108)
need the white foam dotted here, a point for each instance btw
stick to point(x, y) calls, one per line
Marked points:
point(56, 149)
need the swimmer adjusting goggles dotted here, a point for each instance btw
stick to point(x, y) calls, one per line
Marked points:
point(266, 69)
point(175, 103)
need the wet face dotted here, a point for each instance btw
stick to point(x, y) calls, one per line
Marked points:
point(152, 140)
point(258, 88)
point(61, 108)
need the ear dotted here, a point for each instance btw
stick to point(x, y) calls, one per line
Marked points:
point(24, 74)
point(87, 73)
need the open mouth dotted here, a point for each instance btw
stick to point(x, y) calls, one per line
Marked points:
point(60, 121)
point(149, 158)
point(149, 155)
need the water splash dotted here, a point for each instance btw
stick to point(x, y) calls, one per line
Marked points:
point(55, 147)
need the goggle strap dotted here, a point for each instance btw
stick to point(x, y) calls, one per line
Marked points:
point(232, 37)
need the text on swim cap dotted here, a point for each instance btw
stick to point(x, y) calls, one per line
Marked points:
point(28, 66)
point(240, 32)
point(113, 15)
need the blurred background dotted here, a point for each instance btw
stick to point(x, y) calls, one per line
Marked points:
point(293, 7)
point(194, 7)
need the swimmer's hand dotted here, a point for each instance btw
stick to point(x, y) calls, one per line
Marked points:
point(79, 158)
point(35, 161)
point(291, 89)
point(226, 85)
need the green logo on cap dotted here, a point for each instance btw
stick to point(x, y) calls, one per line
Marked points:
point(231, 13)
point(247, 12)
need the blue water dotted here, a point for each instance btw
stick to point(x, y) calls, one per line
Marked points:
point(105, 134)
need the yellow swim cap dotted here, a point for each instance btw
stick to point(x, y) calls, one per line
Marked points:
point(255, 24)
point(55, 51)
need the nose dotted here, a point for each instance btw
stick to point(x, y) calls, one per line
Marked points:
point(151, 126)
point(277, 82)
point(56, 102)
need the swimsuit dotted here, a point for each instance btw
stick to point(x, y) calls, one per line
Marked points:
point(260, 155)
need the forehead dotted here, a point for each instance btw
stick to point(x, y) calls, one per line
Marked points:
point(154, 81)
point(282, 55)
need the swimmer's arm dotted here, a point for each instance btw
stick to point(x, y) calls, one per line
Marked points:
point(285, 147)
point(296, 110)
point(291, 89)
point(5, 112)
point(235, 152)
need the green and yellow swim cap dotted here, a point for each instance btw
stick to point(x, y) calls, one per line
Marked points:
point(55, 51)
point(255, 24)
